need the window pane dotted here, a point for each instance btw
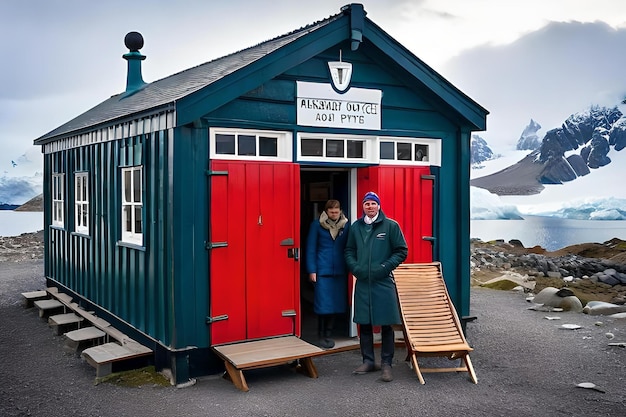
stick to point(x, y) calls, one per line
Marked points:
point(334, 148)
point(85, 215)
point(355, 149)
point(268, 146)
point(404, 151)
point(127, 218)
point(387, 150)
point(138, 228)
point(85, 188)
point(225, 144)
point(312, 147)
point(127, 185)
point(79, 188)
point(421, 152)
point(246, 145)
point(59, 212)
point(137, 185)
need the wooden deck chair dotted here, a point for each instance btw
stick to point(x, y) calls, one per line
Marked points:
point(430, 323)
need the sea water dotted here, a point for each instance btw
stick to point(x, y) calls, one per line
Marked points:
point(551, 233)
point(14, 223)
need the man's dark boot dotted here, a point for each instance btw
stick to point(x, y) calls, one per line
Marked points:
point(386, 374)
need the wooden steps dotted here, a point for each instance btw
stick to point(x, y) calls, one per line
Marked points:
point(48, 307)
point(116, 347)
point(76, 338)
point(32, 296)
point(242, 356)
point(60, 322)
point(103, 356)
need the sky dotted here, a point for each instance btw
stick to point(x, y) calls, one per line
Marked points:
point(520, 59)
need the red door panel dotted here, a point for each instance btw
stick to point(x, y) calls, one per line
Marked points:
point(272, 275)
point(227, 268)
point(406, 198)
point(253, 280)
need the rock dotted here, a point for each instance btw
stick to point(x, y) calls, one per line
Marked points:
point(571, 326)
point(590, 385)
point(564, 292)
point(519, 280)
point(596, 308)
point(549, 296)
point(571, 303)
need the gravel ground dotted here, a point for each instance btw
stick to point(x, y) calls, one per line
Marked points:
point(526, 366)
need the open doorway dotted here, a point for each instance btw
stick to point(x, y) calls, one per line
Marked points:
point(318, 185)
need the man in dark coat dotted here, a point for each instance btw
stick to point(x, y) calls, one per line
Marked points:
point(375, 247)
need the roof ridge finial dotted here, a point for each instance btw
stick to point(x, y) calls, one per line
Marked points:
point(134, 79)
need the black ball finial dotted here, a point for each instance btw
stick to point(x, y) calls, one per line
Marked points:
point(133, 41)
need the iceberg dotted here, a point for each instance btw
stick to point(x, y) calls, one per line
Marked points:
point(487, 206)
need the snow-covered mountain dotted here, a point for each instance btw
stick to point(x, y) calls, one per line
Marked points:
point(529, 140)
point(480, 151)
point(573, 174)
point(580, 145)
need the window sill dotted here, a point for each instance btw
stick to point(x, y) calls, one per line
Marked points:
point(81, 234)
point(130, 245)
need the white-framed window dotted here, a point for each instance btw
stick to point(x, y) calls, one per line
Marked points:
point(58, 200)
point(409, 151)
point(81, 203)
point(243, 144)
point(314, 147)
point(132, 205)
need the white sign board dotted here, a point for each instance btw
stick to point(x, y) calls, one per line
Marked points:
point(320, 105)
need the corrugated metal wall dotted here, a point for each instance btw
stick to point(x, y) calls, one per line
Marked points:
point(133, 283)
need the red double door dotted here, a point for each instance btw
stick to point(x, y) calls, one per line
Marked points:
point(255, 240)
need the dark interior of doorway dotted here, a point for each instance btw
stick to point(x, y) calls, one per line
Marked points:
point(318, 185)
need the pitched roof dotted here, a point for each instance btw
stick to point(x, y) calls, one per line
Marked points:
point(163, 92)
point(201, 84)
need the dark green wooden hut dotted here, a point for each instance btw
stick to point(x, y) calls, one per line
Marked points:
point(178, 208)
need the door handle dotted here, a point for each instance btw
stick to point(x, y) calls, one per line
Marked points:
point(293, 253)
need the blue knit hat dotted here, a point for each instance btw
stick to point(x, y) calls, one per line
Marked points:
point(370, 195)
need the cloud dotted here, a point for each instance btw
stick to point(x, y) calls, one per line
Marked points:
point(545, 75)
point(18, 190)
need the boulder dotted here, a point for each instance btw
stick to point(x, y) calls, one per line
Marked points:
point(597, 308)
point(549, 296)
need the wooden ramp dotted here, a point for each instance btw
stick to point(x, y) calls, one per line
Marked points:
point(430, 323)
point(243, 356)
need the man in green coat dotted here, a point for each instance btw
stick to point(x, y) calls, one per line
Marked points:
point(375, 247)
